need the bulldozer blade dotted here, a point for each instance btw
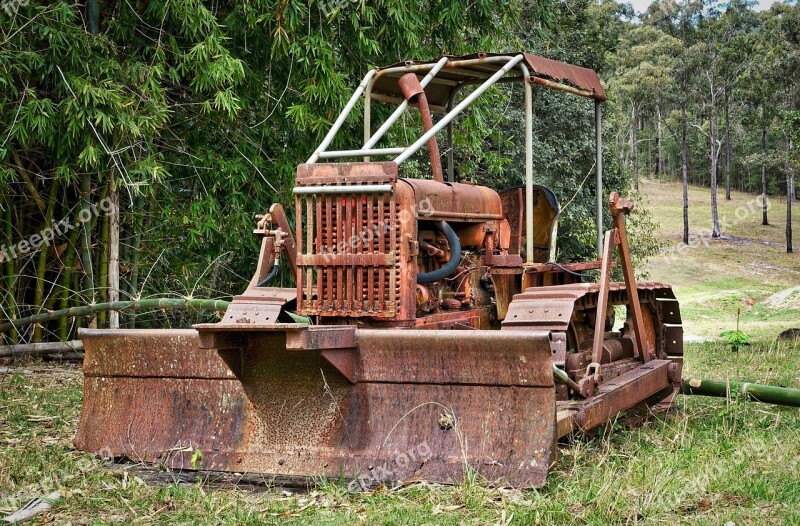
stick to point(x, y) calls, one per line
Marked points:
point(361, 405)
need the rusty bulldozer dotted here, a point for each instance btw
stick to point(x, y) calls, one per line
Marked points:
point(430, 331)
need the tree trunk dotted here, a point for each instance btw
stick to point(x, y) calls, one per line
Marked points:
point(659, 158)
point(685, 176)
point(789, 187)
point(41, 262)
point(764, 220)
point(727, 148)
point(635, 146)
point(714, 156)
point(113, 254)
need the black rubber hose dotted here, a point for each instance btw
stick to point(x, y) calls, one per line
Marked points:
point(568, 271)
point(455, 256)
point(272, 273)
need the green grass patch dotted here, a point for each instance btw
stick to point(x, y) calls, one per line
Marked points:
point(709, 462)
point(716, 279)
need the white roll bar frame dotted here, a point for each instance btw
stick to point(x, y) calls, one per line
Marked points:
point(403, 153)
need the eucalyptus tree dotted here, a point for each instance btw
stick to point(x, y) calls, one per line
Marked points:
point(784, 21)
point(719, 32)
point(679, 20)
point(736, 24)
point(644, 79)
point(790, 126)
point(765, 83)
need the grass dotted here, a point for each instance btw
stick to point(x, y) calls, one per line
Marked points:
point(744, 271)
point(712, 461)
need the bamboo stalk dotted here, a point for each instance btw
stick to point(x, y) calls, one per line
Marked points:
point(34, 349)
point(29, 184)
point(9, 270)
point(125, 243)
point(66, 280)
point(135, 254)
point(41, 263)
point(87, 310)
point(755, 392)
point(113, 254)
point(86, 241)
point(102, 266)
point(75, 298)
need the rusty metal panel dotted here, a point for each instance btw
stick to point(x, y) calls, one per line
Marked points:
point(454, 201)
point(172, 353)
point(239, 312)
point(322, 337)
point(340, 242)
point(466, 357)
point(543, 308)
point(673, 340)
point(438, 94)
point(353, 260)
point(267, 295)
point(151, 419)
point(289, 413)
point(506, 434)
point(344, 173)
point(669, 310)
point(346, 260)
point(623, 392)
point(583, 78)
point(458, 319)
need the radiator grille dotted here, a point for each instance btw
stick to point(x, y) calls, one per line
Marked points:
point(348, 255)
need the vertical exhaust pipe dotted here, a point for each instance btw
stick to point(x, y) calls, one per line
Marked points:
point(415, 93)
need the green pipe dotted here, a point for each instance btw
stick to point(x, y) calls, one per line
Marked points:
point(159, 303)
point(755, 392)
point(563, 378)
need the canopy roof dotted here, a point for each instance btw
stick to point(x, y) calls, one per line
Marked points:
point(438, 92)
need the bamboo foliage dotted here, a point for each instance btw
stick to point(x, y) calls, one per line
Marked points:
point(199, 113)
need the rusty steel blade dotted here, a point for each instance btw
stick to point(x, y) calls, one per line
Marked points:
point(414, 404)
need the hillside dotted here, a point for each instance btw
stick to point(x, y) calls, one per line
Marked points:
point(747, 269)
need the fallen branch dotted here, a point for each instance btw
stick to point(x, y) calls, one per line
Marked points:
point(35, 349)
point(33, 508)
point(159, 303)
point(64, 357)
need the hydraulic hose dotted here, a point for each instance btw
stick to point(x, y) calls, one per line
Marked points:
point(272, 273)
point(452, 263)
